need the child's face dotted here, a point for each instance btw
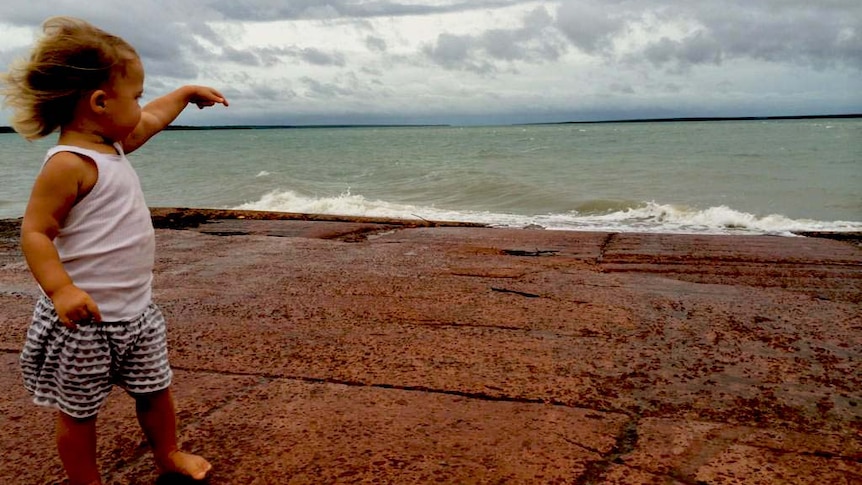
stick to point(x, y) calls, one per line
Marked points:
point(122, 100)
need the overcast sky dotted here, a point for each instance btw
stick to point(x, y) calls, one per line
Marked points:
point(481, 61)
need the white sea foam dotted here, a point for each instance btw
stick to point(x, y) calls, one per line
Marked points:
point(646, 217)
point(656, 217)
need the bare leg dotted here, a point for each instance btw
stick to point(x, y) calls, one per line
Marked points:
point(76, 443)
point(158, 419)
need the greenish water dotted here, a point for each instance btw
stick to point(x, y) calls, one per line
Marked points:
point(711, 177)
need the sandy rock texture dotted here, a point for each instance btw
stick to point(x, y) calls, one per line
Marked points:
point(311, 349)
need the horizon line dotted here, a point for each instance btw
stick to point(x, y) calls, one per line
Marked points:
point(9, 129)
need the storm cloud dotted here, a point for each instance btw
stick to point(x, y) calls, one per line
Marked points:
point(532, 42)
point(491, 60)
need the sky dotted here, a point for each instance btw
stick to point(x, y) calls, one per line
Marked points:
point(480, 61)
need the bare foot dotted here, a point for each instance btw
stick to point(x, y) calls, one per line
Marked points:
point(187, 464)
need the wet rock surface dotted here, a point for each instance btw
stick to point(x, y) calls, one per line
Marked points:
point(312, 349)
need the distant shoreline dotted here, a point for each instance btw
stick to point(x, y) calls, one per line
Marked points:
point(710, 118)
point(7, 129)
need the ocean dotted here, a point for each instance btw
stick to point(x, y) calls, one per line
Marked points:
point(712, 177)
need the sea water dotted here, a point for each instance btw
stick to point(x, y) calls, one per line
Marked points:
point(716, 177)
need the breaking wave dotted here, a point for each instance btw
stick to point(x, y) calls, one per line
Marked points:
point(600, 215)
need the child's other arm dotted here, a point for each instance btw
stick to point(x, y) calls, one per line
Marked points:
point(59, 185)
point(160, 112)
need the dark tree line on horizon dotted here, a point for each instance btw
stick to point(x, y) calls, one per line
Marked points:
point(9, 129)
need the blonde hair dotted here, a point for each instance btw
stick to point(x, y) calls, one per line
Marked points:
point(71, 58)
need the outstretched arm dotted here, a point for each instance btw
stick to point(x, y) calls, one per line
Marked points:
point(160, 112)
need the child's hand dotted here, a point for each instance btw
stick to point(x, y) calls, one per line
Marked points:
point(204, 97)
point(75, 306)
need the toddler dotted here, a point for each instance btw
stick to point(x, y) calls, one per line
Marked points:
point(88, 239)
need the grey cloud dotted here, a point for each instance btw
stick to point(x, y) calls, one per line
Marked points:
point(697, 48)
point(172, 54)
point(325, 90)
point(157, 86)
point(456, 52)
point(801, 33)
point(375, 43)
point(204, 31)
point(244, 57)
point(170, 68)
point(173, 37)
point(270, 93)
point(700, 48)
point(672, 88)
point(621, 88)
point(450, 50)
point(371, 71)
point(321, 58)
point(271, 56)
point(534, 42)
point(167, 48)
point(724, 86)
point(821, 34)
point(181, 41)
point(257, 97)
point(263, 10)
point(590, 26)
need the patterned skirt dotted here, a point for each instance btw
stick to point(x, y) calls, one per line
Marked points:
point(74, 370)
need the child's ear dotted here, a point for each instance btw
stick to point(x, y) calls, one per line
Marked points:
point(97, 100)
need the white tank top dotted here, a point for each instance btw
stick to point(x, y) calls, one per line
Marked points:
point(107, 242)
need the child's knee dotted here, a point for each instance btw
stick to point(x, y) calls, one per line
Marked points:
point(146, 401)
point(73, 421)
